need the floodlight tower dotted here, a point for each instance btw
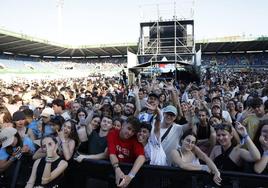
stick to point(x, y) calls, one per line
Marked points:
point(59, 24)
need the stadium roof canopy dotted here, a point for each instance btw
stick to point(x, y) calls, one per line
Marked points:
point(233, 45)
point(20, 44)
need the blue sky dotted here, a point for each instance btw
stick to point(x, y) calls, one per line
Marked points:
point(117, 21)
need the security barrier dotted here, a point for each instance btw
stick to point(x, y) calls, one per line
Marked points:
point(100, 174)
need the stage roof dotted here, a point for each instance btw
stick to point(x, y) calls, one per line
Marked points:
point(20, 44)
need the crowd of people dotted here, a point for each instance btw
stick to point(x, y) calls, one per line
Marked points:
point(250, 59)
point(218, 124)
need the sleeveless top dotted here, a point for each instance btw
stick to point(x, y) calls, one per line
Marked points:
point(40, 171)
point(195, 160)
point(203, 132)
point(223, 161)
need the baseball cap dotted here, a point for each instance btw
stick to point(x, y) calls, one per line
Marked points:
point(47, 112)
point(7, 136)
point(171, 109)
point(18, 115)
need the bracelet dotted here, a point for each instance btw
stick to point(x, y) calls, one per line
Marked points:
point(49, 159)
point(131, 175)
point(116, 165)
point(265, 153)
point(244, 139)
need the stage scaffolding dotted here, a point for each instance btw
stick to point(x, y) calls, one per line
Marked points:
point(166, 42)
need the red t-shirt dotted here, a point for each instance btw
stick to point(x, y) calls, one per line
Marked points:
point(126, 150)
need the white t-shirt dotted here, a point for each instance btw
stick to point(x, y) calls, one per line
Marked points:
point(171, 141)
point(155, 152)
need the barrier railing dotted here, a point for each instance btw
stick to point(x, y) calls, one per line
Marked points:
point(152, 176)
point(162, 176)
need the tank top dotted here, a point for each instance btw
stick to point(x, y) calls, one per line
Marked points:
point(40, 171)
point(203, 132)
point(223, 161)
point(195, 160)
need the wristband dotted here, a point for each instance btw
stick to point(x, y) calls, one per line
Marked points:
point(131, 175)
point(204, 168)
point(244, 139)
point(265, 153)
point(116, 165)
point(49, 159)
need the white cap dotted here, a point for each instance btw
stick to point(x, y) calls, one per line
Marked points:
point(47, 112)
point(171, 109)
point(7, 136)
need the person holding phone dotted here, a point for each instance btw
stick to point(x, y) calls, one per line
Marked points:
point(13, 147)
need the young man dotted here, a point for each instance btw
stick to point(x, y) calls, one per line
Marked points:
point(58, 106)
point(171, 132)
point(123, 146)
point(96, 145)
point(147, 115)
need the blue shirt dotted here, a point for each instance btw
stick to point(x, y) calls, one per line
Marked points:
point(37, 132)
point(26, 142)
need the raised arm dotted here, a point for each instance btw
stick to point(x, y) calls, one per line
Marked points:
point(137, 101)
point(252, 154)
point(157, 123)
point(49, 175)
point(31, 181)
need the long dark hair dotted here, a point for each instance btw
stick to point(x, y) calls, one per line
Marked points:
point(187, 133)
point(258, 134)
point(73, 134)
point(78, 111)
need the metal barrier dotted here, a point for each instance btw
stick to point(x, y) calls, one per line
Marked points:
point(151, 176)
point(162, 176)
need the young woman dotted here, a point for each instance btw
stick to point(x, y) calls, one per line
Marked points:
point(188, 155)
point(5, 117)
point(261, 141)
point(231, 107)
point(117, 123)
point(228, 156)
point(81, 116)
point(162, 100)
point(117, 110)
point(68, 139)
point(47, 171)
